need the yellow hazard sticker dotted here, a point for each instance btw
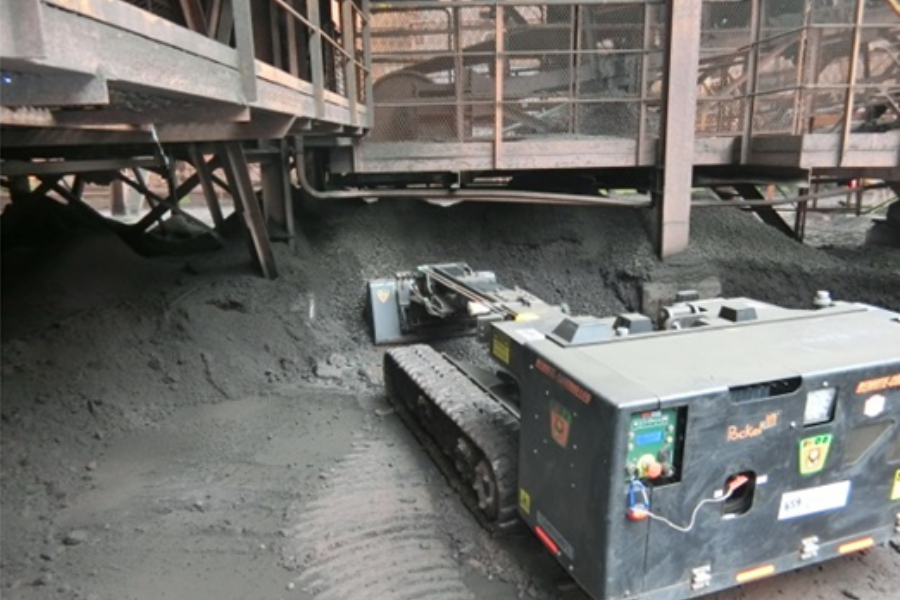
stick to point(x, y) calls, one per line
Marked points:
point(383, 295)
point(500, 347)
point(525, 501)
point(895, 489)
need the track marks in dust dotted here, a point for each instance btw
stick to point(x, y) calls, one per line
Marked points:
point(372, 532)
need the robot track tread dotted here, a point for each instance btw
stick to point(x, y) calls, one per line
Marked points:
point(463, 429)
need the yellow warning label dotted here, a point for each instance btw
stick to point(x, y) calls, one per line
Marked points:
point(895, 490)
point(524, 501)
point(813, 453)
point(383, 295)
point(500, 348)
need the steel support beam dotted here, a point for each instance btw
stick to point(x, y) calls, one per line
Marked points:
point(170, 203)
point(12, 168)
point(204, 173)
point(682, 56)
point(263, 126)
point(160, 209)
point(245, 199)
point(213, 113)
point(53, 89)
point(22, 32)
point(194, 16)
point(767, 214)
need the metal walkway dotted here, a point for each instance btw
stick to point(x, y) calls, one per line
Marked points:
point(450, 100)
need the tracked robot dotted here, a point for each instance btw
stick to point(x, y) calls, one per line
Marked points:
point(725, 441)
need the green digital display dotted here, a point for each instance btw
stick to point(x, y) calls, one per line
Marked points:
point(652, 444)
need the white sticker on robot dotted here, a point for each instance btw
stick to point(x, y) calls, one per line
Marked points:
point(530, 335)
point(874, 406)
point(810, 501)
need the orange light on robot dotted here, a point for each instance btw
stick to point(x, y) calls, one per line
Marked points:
point(856, 545)
point(755, 573)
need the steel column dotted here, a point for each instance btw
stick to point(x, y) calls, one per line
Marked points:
point(243, 37)
point(673, 197)
point(350, 81)
point(316, 57)
point(276, 191)
point(851, 81)
point(752, 80)
point(640, 142)
point(459, 74)
point(499, 70)
point(367, 53)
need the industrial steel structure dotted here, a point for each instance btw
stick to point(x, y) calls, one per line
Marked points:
point(451, 100)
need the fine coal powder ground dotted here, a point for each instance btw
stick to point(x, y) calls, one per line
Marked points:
point(177, 426)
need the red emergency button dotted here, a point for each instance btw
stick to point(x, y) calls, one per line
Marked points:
point(654, 470)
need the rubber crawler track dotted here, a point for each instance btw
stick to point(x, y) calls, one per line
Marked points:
point(441, 406)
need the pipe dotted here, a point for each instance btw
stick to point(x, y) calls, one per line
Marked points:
point(895, 5)
point(495, 195)
point(470, 194)
point(794, 200)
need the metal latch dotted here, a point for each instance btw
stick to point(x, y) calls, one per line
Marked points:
point(701, 577)
point(809, 548)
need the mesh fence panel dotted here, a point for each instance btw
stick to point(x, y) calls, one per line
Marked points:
point(830, 65)
point(774, 113)
point(879, 13)
point(721, 116)
point(615, 119)
point(559, 62)
point(829, 12)
point(571, 70)
point(778, 62)
point(167, 9)
point(522, 121)
point(823, 110)
point(723, 72)
point(879, 56)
